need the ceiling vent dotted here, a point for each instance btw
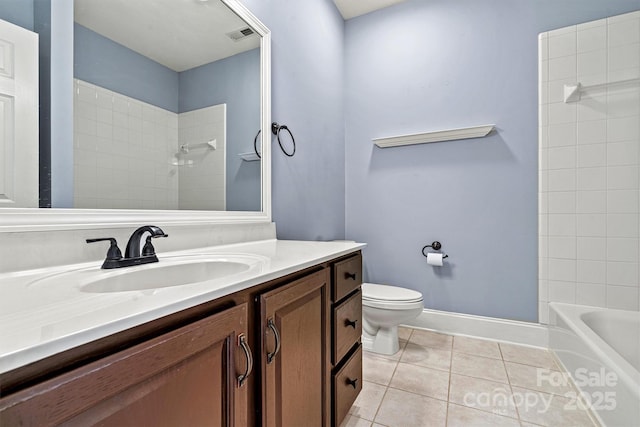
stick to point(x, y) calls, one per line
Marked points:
point(240, 34)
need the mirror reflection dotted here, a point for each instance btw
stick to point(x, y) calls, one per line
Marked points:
point(166, 99)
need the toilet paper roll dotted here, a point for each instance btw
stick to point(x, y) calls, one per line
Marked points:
point(434, 259)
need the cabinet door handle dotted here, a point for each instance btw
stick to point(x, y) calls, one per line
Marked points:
point(242, 342)
point(348, 275)
point(352, 382)
point(351, 323)
point(272, 326)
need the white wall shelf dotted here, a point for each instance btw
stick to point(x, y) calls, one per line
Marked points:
point(249, 156)
point(435, 136)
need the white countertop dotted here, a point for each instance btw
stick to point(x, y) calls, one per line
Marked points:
point(40, 317)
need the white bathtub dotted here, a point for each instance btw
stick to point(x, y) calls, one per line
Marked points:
point(600, 349)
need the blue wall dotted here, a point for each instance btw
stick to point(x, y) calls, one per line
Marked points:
point(435, 64)
point(307, 85)
point(110, 65)
point(234, 81)
point(19, 12)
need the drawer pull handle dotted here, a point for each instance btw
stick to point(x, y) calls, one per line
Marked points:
point(348, 275)
point(352, 382)
point(272, 326)
point(242, 342)
point(352, 323)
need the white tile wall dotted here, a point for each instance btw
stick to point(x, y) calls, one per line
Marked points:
point(202, 185)
point(124, 152)
point(121, 152)
point(589, 186)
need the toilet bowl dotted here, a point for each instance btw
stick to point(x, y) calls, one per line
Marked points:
point(385, 307)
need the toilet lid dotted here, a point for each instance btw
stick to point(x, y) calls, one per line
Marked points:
point(375, 292)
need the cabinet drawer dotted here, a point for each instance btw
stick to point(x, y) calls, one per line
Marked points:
point(347, 383)
point(347, 277)
point(347, 325)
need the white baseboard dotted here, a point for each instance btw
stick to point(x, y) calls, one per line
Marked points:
point(511, 331)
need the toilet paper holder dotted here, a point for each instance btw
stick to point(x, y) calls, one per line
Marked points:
point(435, 246)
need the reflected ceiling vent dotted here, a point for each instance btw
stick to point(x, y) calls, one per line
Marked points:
point(240, 34)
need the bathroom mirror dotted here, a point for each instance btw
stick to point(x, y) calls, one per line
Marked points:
point(167, 105)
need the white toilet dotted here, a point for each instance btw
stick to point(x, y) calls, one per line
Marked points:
point(383, 309)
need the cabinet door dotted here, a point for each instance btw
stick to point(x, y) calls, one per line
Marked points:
point(185, 377)
point(295, 353)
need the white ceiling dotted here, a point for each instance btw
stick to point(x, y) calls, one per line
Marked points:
point(180, 34)
point(352, 8)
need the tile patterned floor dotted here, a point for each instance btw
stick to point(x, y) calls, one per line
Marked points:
point(441, 380)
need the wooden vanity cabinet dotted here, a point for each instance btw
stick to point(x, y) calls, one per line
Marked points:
point(183, 369)
point(185, 377)
point(346, 357)
point(295, 320)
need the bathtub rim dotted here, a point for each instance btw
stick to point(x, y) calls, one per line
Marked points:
point(569, 313)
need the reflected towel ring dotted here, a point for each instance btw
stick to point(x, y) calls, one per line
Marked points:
point(255, 144)
point(276, 128)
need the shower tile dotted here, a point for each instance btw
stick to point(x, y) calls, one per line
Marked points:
point(562, 225)
point(591, 202)
point(622, 177)
point(562, 134)
point(622, 201)
point(593, 63)
point(622, 297)
point(562, 269)
point(624, 32)
point(562, 68)
point(591, 178)
point(562, 202)
point(562, 112)
point(591, 294)
point(562, 247)
point(624, 56)
point(592, 248)
point(560, 291)
point(591, 155)
point(592, 38)
point(400, 408)
point(623, 129)
point(591, 132)
point(622, 153)
point(622, 249)
point(593, 107)
point(562, 180)
point(591, 271)
point(562, 44)
point(622, 273)
point(477, 347)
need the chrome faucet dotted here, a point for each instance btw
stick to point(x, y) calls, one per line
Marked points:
point(132, 254)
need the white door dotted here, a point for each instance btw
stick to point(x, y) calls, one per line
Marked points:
point(18, 116)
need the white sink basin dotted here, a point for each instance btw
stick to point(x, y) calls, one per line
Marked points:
point(168, 272)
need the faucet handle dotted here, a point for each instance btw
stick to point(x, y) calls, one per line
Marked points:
point(148, 249)
point(113, 253)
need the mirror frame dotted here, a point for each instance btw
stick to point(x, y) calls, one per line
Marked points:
point(41, 219)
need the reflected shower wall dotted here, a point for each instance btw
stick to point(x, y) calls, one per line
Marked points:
point(588, 167)
point(127, 154)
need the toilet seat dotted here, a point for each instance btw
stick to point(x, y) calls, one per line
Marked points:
point(390, 297)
